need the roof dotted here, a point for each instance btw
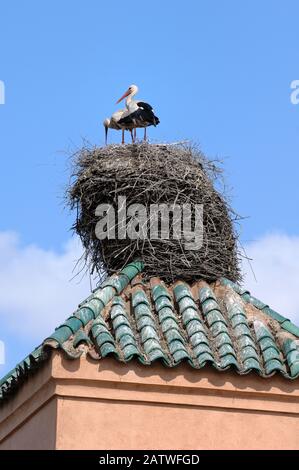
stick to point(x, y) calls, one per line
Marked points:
point(218, 324)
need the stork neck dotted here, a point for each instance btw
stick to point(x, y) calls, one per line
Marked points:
point(129, 99)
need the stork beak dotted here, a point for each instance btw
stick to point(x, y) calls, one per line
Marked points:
point(123, 96)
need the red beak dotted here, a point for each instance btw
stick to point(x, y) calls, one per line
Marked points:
point(123, 96)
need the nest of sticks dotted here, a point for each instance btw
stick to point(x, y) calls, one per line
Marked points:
point(154, 174)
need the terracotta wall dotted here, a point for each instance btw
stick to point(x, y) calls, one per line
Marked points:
point(125, 425)
point(38, 432)
point(84, 404)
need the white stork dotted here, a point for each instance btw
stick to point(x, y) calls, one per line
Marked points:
point(138, 113)
point(113, 123)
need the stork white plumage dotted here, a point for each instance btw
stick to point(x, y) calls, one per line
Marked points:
point(113, 123)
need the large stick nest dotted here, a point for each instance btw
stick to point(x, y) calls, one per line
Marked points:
point(154, 174)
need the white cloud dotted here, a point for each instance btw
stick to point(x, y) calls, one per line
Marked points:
point(275, 262)
point(37, 291)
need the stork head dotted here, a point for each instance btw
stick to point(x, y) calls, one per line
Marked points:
point(131, 91)
point(106, 123)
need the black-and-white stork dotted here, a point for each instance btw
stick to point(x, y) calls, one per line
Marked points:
point(138, 113)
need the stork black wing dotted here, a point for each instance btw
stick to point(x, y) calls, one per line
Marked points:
point(143, 116)
point(144, 105)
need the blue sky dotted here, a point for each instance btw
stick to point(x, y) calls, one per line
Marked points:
point(218, 73)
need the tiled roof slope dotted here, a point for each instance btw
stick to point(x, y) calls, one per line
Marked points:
point(218, 324)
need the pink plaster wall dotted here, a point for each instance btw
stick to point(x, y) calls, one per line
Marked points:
point(86, 404)
point(38, 432)
point(95, 424)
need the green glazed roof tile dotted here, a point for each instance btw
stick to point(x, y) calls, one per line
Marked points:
point(180, 291)
point(198, 338)
point(122, 331)
point(125, 321)
point(104, 337)
point(168, 324)
point(218, 328)
point(293, 357)
point(227, 361)
point(156, 354)
point(273, 314)
point(261, 331)
point(271, 353)
point(241, 330)
point(166, 313)
point(142, 309)
point(206, 293)
point(98, 329)
point(61, 334)
point(162, 302)
point(202, 348)
point(248, 352)
point(159, 291)
point(223, 338)
point(251, 364)
point(189, 314)
point(245, 341)
point(194, 326)
point(204, 358)
point(186, 303)
point(226, 349)
point(289, 345)
point(180, 355)
point(145, 321)
point(127, 340)
point(267, 342)
point(174, 334)
point(285, 323)
point(176, 346)
point(107, 348)
point(129, 351)
point(209, 305)
point(139, 297)
point(151, 344)
point(290, 327)
point(147, 333)
point(120, 320)
point(213, 316)
point(273, 365)
point(85, 314)
point(73, 323)
point(238, 320)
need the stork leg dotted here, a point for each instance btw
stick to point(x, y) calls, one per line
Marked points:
point(145, 136)
point(122, 136)
point(131, 131)
point(135, 134)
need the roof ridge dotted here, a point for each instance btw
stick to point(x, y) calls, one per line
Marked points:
point(284, 322)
